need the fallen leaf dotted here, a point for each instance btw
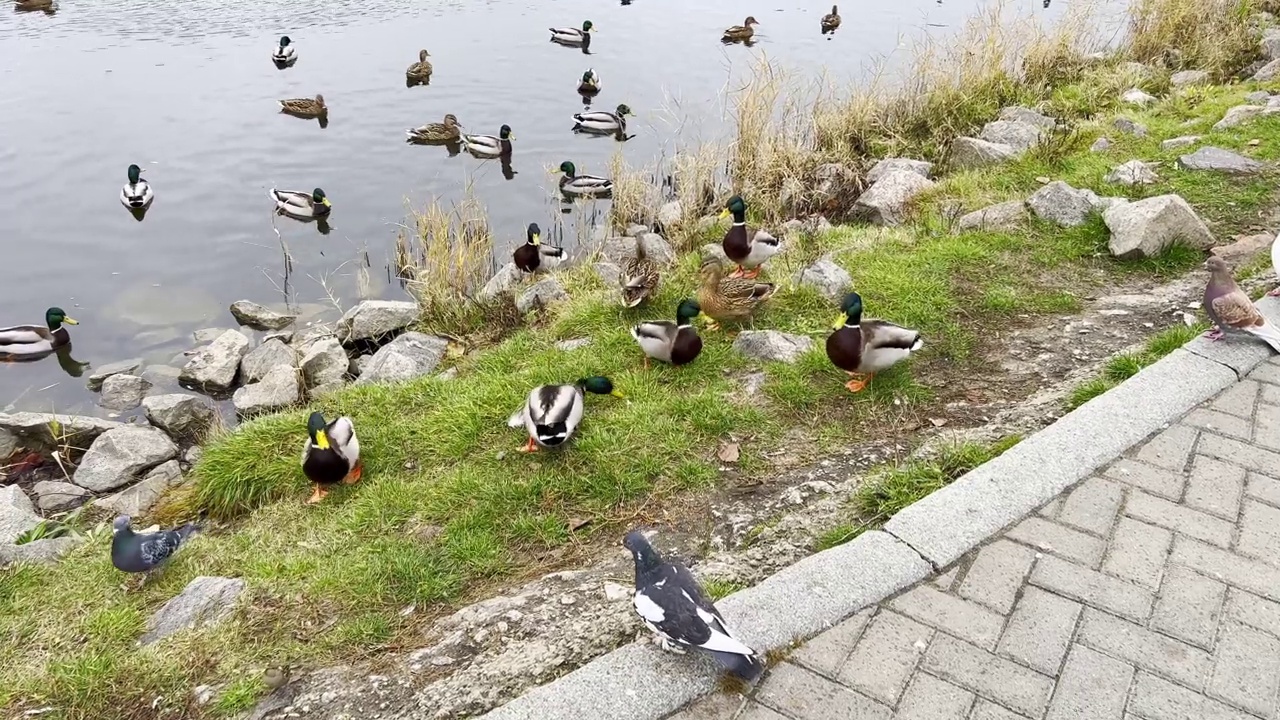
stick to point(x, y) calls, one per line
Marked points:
point(576, 524)
point(729, 452)
point(938, 422)
point(1255, 142)
point(1042, 180)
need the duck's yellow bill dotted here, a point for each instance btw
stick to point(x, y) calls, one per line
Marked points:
point(839, 321)
point(618, 394)
point(70, 321)
point(705, 317)
point(326, 202)
point(511, 136)
point(537, 239)
point(724, 213)
point(322, 440)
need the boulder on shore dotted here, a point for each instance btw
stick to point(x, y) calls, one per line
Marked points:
point(277, 389)
point(971, 153)
point(772, 345)
point(1020, 136)
point(17, 515)
point(181, 415)
point(1147, 228)
point(97, 377)
point(46, 432)
point(505, 280)
point(411, 355)
point(1218, 160)
point(266, 357)
point(123, 392)
point(203, 602)
point(259, 317)
point(542, 293)
point(372, 319)
point(121, 456)
point(53, 497)
point(888, 165)
point(1063, 205)
point(214, 366)
point(1134, 172)
point(324, 362)
point(1001, 216)
point(141, 497)
point(886, 202)
point(828, 278)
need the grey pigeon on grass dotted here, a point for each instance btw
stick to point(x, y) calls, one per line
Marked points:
point(1231, 310)
point(674, 606)
point(134, 553)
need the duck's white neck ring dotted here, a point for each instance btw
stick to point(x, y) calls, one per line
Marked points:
point(739, 224)
point(853, 326)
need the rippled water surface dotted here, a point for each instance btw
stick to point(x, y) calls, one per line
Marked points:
point(186, 90)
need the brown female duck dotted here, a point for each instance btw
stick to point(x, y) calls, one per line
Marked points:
point(729, 298)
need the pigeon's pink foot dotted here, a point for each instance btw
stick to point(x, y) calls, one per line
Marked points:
point(1214, 334)
point(1274, 293)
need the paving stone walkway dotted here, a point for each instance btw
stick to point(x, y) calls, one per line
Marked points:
point(1150, 591)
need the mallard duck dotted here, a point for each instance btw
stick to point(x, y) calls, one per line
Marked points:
point(331, 455)
point(741, 32)
point(305, 107)
point(575, 185)
point(864, 348)
point(449, 131)
point(831, 21)
point(490, 146)
point(136, 194)
point(284, 54)
point(33, 5)
point(602, 122)
point(21, 341)
point(573, 36)
point(729, 298)
point(671, 342)
point(420, 70)
point(552, 412)
point(302, 205)
point(590, 84)
point(747, 246)
point(639, 278)
point(533, 255)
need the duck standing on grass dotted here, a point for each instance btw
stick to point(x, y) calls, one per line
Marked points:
point(136, 194)
point(739, 33)
point(284, 55)
point(331, 455)
point(639, 278)
point(533, 255)
point(671, 342)
point(134, 553)
point(419, 71)
point(31, 342)
point(302, 205)
point(552, 412)
point(1231, 310)
point(747, 246)
point(573, 36)
point(864, 348)
point(573, 185)
point(732, 299)
point(490, 146)
point(831, 21)
point(675, 607)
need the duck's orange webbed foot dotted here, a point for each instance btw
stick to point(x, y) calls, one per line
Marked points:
point(353, 477)
point(857, 381)
point(528, 447)
point(317, 495)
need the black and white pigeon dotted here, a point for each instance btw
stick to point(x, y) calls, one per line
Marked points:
point(134, 553)
point(674, 606)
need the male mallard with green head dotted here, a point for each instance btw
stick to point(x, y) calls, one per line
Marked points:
point(331, 455)
point(732, 299)
point(863, 348)
point(136, 194)
point(573, 36)
point(305, 107)
point(551, 413)
point(741, 32)
point(590, 83)
point(575, 185)
point(534, 255)
point(603, 122)
point(831, 21)
point(420, 70)
point(671, 342)
point(302, 205)
point(284, 53)
point(490, 146)
point(747, 246)
point(449, 131)
point(29, 341)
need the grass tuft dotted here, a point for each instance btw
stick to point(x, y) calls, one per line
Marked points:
point(1125, 365)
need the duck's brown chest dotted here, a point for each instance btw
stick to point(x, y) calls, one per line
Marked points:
point(844, 348)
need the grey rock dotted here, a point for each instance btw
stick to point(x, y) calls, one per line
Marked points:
point(1134, 70)
point(325, 389)
point(1018, 135)
point(793, 226)
point(1061, 204)
point(411, 355)
point(715, 251)
point(276, 390)
point(121, 456)
point(573, 344)
point(885, 202)
point(8, 443)
point(284, 336)
point(1027, 115)
point(266, 357)
point(1129, 127)
point(204, 336)
point(53, 497)
point(1219, 160)
point(447, 374)
point(1102, 144)
point(203, 602)
point(39, 552)
point(888, 165)
point(46, 432)
point(618, 250)
point(540, 294)
point(1134, 172)
point(1239, 115)
point(608, 274)
point(1244, 247)
point(1103, 204)
point(179, 414)
point(1001, 216)
point(1247, 72)
point(1137, 97)
point(657, 248)
point(214, 366)
point(192, 456)
point(831, 180)
point(358, 365)
point(258, 317)
point(97, 377)
point(17, 514)
point(1268, 72)
point(325, 362)
point(1258, 97)
point(636, 230)
point(123, 392)
point(140, 498)
point(831, 280)
point(162, 374)
point(506, 279)
point(772, 345)
point(371, 319)
point(1179, 142)
point(1188, 78)
point(1270, 43)
point(1146, 228)
point(971, 153)
point(670, 215)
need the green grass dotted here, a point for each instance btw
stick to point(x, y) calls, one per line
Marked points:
point(719, 589)
point(1125, 365)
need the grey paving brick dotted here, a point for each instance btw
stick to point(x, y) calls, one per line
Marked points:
point(1241, 453)
point(956, 615)
point(987, 710)
point(1221, 423)
point(717, 706)
point(1040, 630)
point(885, 657)
point(1215, 487)
point(1158, 481)
point(825, 653)
point(1261, 487)
point(1266, 426)
point(1059, 540)
point(1092, 686)
point(1004, 681)
point(1245, 607)
point(1188, 606)
point(947, 580)
point(1169, 449)
point(1092, 588)
point(1144, 649)
point(1267, 373)
point(928, 698)
point(796, 692)
point(1051, 508)
point(1246, 669)
point(1235, 570)
point(1155, 698)
point(1092, 506)
point(1238, 399)
point(996, 575)
point(1178, 518)
point(1270, 394)
point(756, 711)
point(1138, 552)
point(1260, 532)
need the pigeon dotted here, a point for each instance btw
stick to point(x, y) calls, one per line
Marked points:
point(1230, 309)
point(133, 553)
point(673, 605)
point(1275, 262)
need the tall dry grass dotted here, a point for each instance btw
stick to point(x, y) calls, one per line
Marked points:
point(1212, 35)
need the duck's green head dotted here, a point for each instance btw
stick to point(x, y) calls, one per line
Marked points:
point(284, 41)
point(736, 206)
point(623, 110)
point(315, 428)
point(318, 197)
point(568, 169)
point(687, 311)
point(589, 77)
point(600, 386)
point(588, 27)
point(54, 317)
point(135, 172)
point(850, 311)
point(533, 235)
point(505, 133)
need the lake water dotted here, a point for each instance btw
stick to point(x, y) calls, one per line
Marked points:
point(187, 91)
